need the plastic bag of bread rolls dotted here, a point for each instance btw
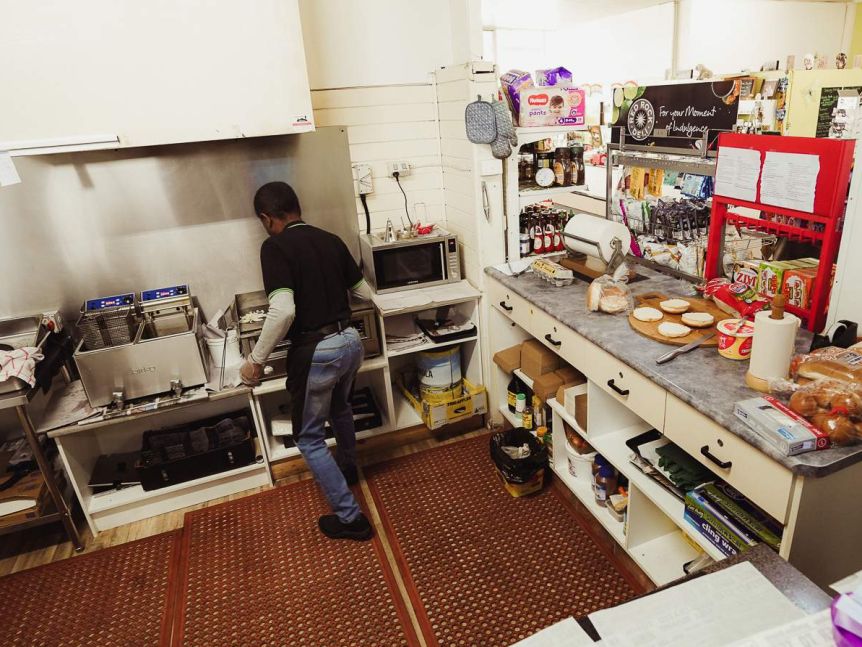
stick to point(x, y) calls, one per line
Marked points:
point(833, 406)
point(610, 296)
point(829, 363)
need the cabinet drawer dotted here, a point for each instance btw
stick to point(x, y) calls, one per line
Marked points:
point(515, 307)
point(763, 480)
point(559, 338)
point(640, 394)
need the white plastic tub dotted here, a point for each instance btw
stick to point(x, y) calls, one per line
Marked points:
point(224, 354)
point(580, 465)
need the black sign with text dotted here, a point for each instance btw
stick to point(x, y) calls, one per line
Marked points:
point(674, 115)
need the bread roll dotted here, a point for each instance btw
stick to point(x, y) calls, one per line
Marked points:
point(594, 295)
point(804, 404)
point(841, 429)
point(647, 314)
point(818, 369)
point(675, 306)
point(698, 319)
point(613, 303)
point(671, 330)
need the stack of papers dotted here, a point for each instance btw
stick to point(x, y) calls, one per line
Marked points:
point(715, 609)
point(413, 299)
point(566, 633)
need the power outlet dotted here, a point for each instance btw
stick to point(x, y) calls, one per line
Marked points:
point(362, 179)
point(402, 168)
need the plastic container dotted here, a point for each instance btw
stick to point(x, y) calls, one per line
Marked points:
point(224, 354)
point(580, 465)
point(605, 484)
point(734, 340)
point(439, 374)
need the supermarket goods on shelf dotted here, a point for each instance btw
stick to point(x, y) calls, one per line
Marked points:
point(667, 209)
point(552, 162)
point(541, 230)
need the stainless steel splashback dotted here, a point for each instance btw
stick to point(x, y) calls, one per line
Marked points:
point(106, 222)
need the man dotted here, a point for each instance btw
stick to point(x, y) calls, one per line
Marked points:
point(307, 275)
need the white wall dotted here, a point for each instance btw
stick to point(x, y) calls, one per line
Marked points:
point(595, 46)
point(384, 124)
point(732, 35)
point(375, 42)
point(636, 45)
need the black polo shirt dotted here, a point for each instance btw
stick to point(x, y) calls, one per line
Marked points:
point(317, 267)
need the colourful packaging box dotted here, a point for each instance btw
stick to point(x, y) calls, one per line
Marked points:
point(552, 106)
point(785, 430)
point(770, 278)
point(797, 285)
point(747, 273)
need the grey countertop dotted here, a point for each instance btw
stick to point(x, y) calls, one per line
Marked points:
point(702, 378)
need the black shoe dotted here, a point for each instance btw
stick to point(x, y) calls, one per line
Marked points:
point(351, 475)
point(359, 529)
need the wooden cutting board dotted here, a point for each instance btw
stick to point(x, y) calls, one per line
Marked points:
point(650, 328)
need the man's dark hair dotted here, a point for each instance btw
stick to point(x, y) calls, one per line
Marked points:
point(278, 200)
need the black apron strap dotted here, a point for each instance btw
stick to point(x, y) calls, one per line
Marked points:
point(299, 359)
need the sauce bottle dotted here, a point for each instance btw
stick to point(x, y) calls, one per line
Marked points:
point(539, 239)
point(512, 393)
point(605, 484)
point(527, 418)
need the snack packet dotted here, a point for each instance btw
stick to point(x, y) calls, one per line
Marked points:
point(736, 299)
point(553, 76)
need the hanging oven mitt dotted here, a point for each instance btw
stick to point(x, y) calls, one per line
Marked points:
point(481, 122)
point(501, 147)
point(505, 127)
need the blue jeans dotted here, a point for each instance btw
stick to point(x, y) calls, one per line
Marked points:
point(330, 380)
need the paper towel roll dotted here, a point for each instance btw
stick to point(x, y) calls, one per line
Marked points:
point(773, 345)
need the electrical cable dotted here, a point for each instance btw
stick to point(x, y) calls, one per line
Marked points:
point(398, 182)
point(364, 201)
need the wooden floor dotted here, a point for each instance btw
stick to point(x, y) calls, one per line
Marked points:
point(23, 550)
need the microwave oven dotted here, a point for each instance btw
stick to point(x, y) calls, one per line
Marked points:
point(409, 263)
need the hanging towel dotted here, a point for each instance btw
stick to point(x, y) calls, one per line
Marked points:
point(20, 363)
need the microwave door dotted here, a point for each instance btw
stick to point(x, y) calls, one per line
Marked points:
point(444, 266)
point(407, 266)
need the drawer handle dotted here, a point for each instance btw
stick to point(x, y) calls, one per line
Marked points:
point(725, 465)
point(505, 307)
point(613, 385)
point(553, 341)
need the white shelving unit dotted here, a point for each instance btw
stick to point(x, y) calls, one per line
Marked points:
point(428, 346)
point(657, 537)
point(655, 534)
point(81, 445)
point(516, 198)
point(379, 373)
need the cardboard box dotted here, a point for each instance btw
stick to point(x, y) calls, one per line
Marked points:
point(552, 106)
point(782, 428)
point(770, 278)
point(473, 402)
point(573, 397)
point(508, 359)
point(536, 359)
point(570, 375)
point(747, 273)
point(797, 286)
point(546, 385)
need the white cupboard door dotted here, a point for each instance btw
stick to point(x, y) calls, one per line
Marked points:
point(154, 72)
